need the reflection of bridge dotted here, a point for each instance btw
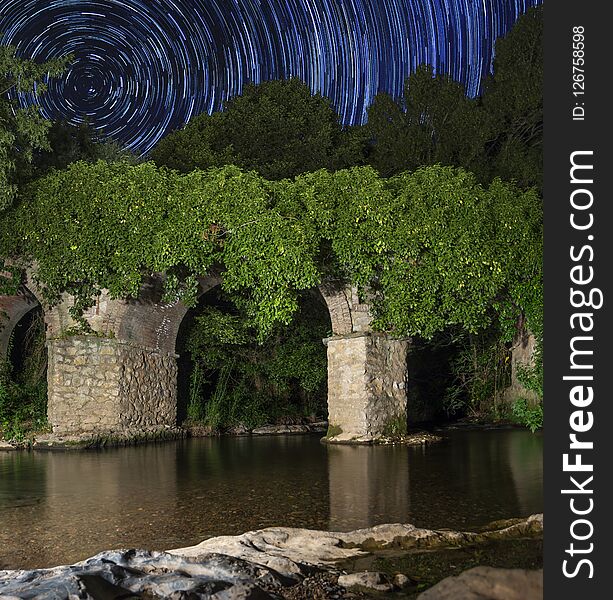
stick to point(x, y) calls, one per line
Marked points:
point(123, 377)
point(170, 495)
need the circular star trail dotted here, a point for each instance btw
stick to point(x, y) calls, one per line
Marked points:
point(144, 67)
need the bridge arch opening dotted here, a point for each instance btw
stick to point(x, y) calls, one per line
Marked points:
point(228, 379)
point(23, 367)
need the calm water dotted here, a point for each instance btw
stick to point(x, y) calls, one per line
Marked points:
point(57, 508)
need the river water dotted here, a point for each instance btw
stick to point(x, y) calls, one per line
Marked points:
point(61, 507)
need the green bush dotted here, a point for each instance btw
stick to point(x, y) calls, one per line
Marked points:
point(527, 415)
point(238, 379)
point(23, 395)
point(480, 370)
point(23, 406)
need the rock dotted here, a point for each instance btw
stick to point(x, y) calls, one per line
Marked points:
point(367, 579)
point(6, 446)
point(418, 438)
point(401, 581)
point(277, 429)
point(200, 431)
point(488, 583)
point(318, 426)
point(264, 564)
point(123, 573)
point(125, 437)
point(287, 550)
point(239, 429)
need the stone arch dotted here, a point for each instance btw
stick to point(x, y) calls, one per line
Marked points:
point(348, 313)
point(122, 378)
point(12, 310)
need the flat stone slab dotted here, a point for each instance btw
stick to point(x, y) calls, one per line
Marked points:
point(487, 583)
point(288, 550)
point(370, 580)
point(53, 441)
point(418, 438)
point(277, 429)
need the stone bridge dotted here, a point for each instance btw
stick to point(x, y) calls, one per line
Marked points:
point(122, 379)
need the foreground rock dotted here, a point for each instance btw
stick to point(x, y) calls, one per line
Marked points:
point(119, 574)
point(486, 583)
point(288, 550)
point(276, 562)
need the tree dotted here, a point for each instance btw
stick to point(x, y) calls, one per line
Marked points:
point(444, 125)
point(200, 145)
point(438, 124)
point(513, 99)
point(388, 133)
point(277, 128)
point(22, 130)
point(71, 143)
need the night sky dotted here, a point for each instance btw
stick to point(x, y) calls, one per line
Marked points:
point(145, 67)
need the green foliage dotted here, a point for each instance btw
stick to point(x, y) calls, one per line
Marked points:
point(497, 135)
point(69, 143)
point(531, 378)
point(445, 126)
point(23, 395)
point(391, 151)
point(396, 427)
point(277, 128)
point(481, 371)
point(237, 380)
point(333, 430)
point(527, 415)
point(513, 101)
point(452, 251)
point(22, 130)
point(437, 124)
point(195, 407)
point(434, 248)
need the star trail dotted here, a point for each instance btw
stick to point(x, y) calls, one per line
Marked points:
point(142, 68)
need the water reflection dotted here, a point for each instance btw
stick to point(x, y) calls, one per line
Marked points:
point(368, 485)
point(62, 507)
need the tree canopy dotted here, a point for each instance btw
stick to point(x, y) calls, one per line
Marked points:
point(277, 128)
point(496, 135)
point(69, 143)
point(22, 130)
point(513, 101)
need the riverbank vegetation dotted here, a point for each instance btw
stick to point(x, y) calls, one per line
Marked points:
point(23, 383)
point(432, 207)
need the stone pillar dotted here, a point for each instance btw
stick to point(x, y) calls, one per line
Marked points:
point(367, 381)
point(103, 386)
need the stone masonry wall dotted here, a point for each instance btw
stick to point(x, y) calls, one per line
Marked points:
point(367, 380)
point(101, 385)
point(148, 394)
